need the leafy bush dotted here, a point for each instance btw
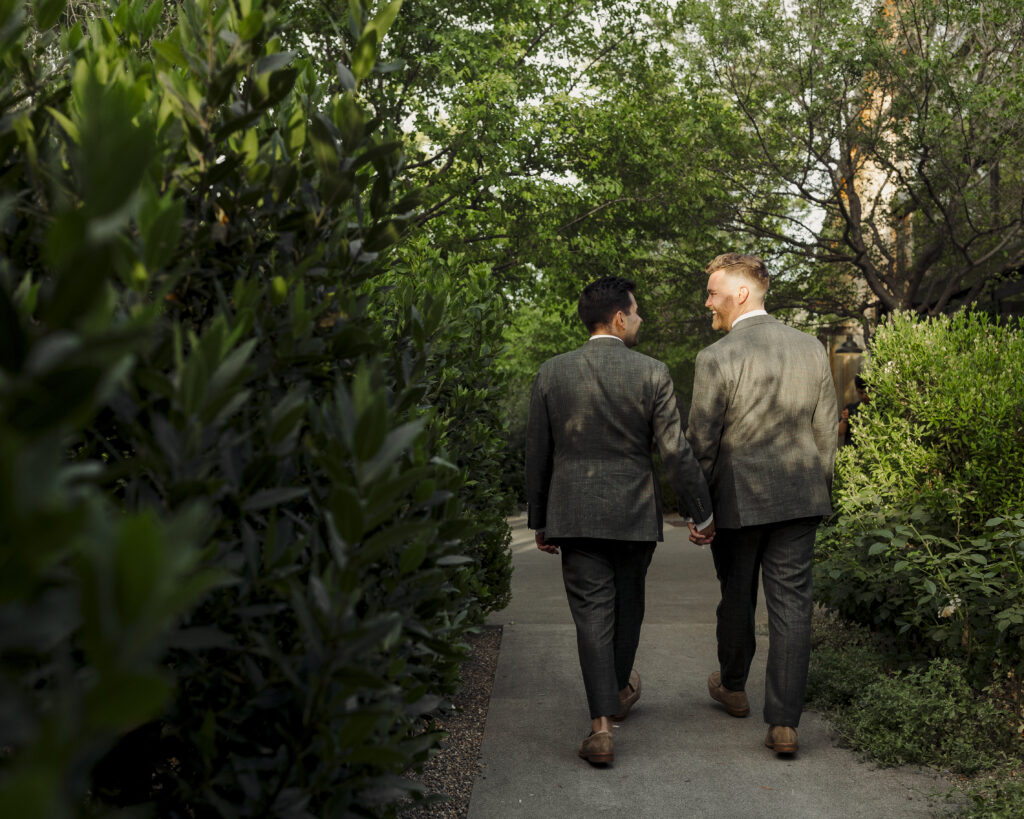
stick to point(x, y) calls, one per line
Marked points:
point(927, 541)
point(845, 660)
point(920, 714)
point(944, 427)
point(957, 597)
point(1002, 798)
point(929, 716)
point(237, 558)
point(452, 309)
point(89, 597)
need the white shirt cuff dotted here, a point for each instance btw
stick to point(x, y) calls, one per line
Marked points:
point(703, 525)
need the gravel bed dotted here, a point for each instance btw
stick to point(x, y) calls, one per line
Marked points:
point(452, 771)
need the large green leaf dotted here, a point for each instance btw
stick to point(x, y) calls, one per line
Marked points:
point(117, 144)
point(48, 12)
point(364, 54)
point(276, 496)
point(384, 19)
point(125, 700)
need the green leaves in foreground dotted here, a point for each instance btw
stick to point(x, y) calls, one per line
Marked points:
point(88, 603)
point(236, 551)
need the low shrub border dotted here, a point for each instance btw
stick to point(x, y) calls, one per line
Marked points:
point(922, 714)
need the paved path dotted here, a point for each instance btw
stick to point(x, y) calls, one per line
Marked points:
point(678, 754)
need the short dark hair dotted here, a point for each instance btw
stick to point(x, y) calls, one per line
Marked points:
point(602, 299)
point(860, 384)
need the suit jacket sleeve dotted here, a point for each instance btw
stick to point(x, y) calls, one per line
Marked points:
point(707, 412)
point(825, 436)
point(684, 473)
point(539, 458)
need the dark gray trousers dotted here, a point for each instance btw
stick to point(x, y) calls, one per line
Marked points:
point(783, 554)
point(604, 581)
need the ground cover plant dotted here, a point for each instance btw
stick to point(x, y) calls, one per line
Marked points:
point(923, 713)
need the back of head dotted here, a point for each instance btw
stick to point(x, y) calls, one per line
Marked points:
point(602, 299)
point(750, 269)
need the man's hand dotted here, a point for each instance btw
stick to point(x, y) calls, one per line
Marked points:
point(702, 537)
point(542, 543)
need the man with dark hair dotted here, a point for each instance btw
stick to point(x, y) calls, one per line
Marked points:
point(762, 425)
point(595, 415)
point(602, 298)
point(851, 409)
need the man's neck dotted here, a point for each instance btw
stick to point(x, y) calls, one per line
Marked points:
point(757, 311)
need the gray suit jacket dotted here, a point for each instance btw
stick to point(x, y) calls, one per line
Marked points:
point(595, 415)
point(763, 424)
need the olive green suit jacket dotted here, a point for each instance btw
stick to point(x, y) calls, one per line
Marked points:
point(763, 424)
point(596, 414)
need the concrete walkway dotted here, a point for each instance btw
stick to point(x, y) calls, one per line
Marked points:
point(678, 754)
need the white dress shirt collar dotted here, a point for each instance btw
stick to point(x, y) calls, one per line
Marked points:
point(751, 314)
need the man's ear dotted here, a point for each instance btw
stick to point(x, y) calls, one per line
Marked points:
point(742, 294)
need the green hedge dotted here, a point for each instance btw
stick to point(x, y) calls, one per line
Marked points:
point(927, 541)
point(240, 542)
point(464, 345)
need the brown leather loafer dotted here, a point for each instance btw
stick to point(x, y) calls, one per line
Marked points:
point(781, 739)
point(597, 748)
point(629, 700)
point(735, 702)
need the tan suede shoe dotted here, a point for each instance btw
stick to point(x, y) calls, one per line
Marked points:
point(781, 739)
point(735, 702)
point(628, 701)
point(597, 748)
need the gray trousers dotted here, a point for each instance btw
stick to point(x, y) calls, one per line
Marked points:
point(783, 554)
point(604, 582)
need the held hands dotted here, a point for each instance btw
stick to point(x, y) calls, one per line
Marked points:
point(702, 537)
point(542, 543)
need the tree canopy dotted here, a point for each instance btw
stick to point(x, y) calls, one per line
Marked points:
point(877, 140)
